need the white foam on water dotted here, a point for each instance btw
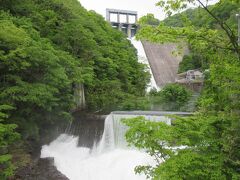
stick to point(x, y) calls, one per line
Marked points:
point(111, 159)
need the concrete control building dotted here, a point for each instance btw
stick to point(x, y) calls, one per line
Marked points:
point(123, 20)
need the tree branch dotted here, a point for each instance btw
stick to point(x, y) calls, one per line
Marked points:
point(226, 28)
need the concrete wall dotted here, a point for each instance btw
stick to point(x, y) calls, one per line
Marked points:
point(163, 63)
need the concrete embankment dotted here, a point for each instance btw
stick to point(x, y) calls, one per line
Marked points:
point(163, 62)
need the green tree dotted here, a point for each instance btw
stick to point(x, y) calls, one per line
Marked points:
point(36, 79)
point(226, 11)
point(149, 19)
point(49, 46)
point(173, 97)
point(193, 61)
point(46, 48)
point(8, 136)
point(211, 136)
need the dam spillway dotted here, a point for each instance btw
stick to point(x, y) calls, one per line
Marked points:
point(110, 157)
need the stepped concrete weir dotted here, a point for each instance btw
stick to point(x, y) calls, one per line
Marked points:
point(152, 113)
point(110, 157)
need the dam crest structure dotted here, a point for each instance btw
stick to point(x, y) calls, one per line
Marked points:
point(123, 20)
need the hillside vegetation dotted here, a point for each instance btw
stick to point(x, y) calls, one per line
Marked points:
point(206, 144)
point(226, 11)
point(46, 49)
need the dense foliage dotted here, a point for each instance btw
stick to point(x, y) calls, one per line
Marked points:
point(193, 61)
point(226, 11)
point(172, 97)
point(105, 57)
point(47, 48)
point(7, 137)
point(211, 136)
point(149, 19)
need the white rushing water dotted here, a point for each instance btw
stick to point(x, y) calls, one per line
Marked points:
point(111, 159)
point(142, 58)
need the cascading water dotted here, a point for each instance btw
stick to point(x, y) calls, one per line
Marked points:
point(142, 58)
point(109, 159)
point(107, 142)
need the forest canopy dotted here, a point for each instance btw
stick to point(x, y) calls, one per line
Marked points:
point(46, 48)
point(206, 144)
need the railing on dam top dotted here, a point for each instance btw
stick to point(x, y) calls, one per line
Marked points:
point(160, 116)
point(153, 113)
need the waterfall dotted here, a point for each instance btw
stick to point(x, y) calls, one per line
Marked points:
point(114, 131)
point(108, 159)
point(107, 142)
point(113, 135)
point(142, 58)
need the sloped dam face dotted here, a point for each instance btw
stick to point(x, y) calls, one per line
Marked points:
point(164, 60)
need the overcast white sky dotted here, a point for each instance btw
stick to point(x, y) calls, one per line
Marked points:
point(142, 6)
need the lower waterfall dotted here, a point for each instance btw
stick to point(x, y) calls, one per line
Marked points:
point(108, 159)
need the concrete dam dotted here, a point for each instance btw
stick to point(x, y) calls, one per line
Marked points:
point(163, 63)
